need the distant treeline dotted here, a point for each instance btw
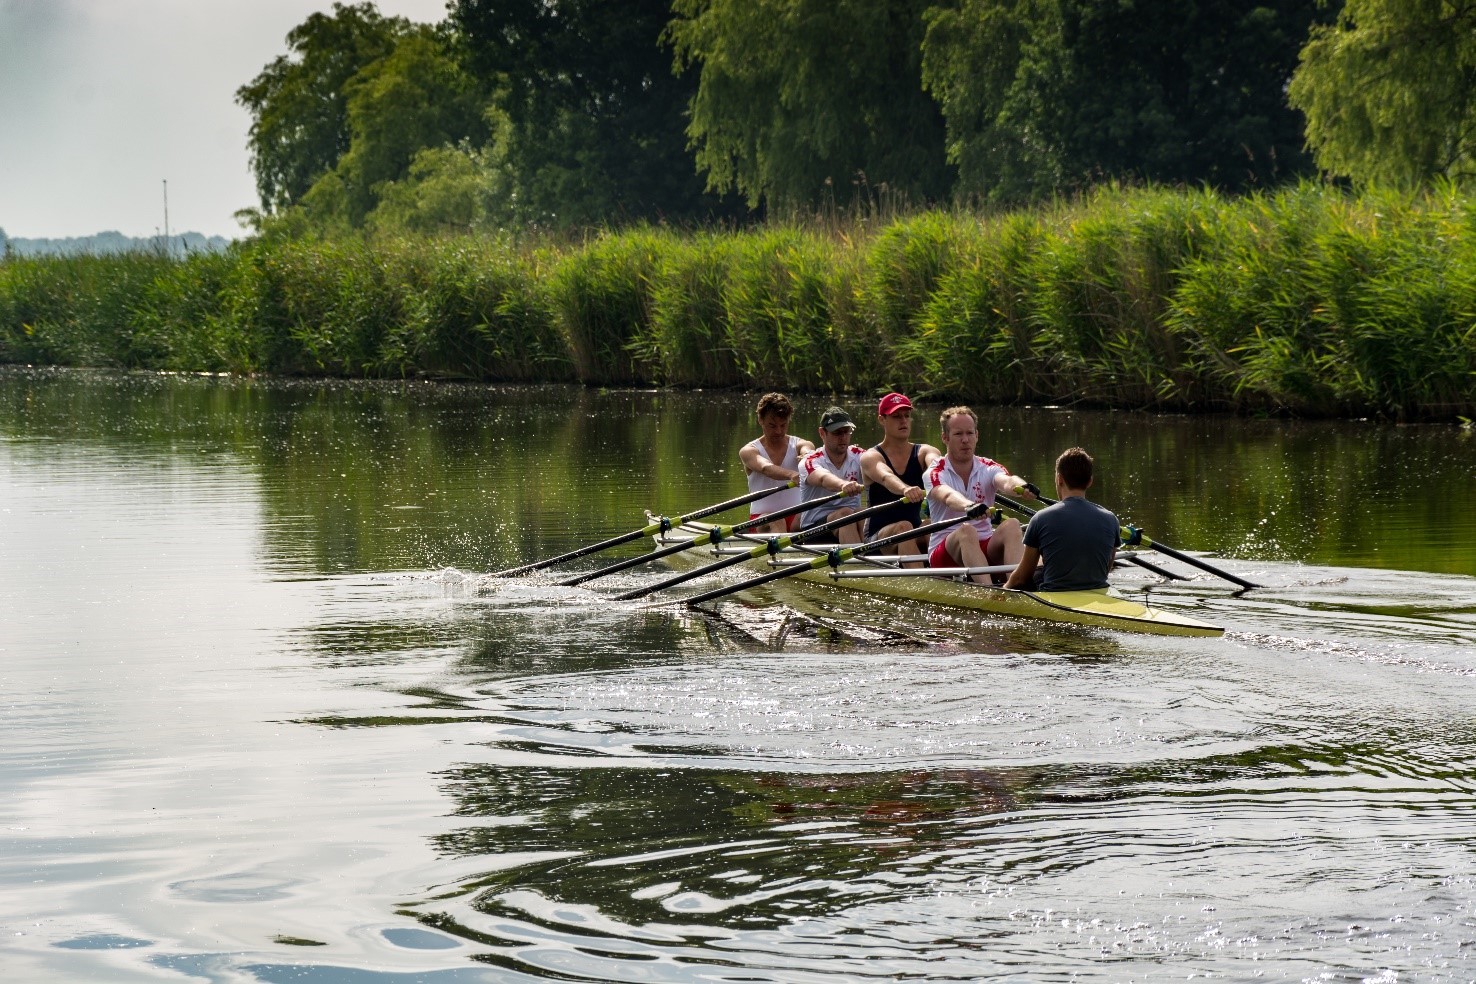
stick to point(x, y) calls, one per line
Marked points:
point(112, 242)
point(1305, 300)
point(567, 114)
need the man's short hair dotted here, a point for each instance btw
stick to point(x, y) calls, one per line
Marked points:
point(775, 403)
point(1075, 468)
point(952, 412)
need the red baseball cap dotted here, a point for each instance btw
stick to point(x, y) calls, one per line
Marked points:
point(891, 403)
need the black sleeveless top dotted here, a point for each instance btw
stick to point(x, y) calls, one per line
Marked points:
point(877, 494)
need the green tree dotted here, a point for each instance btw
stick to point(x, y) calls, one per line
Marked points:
point(1389, 91)
point(447, 190)
point(299, 102)
point(594, 114)
point(1041, 95)
point(415, 97)
point(798, 99)
point(982, 61)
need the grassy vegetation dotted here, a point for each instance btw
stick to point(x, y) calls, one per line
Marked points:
point(1305, 300)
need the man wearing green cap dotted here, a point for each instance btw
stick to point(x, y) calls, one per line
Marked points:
point(833, 467)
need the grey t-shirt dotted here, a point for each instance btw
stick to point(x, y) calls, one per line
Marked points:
point(1075, 539)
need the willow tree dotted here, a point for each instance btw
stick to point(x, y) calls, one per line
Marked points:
point(1041, 95)
point(299, 101)
point(593, 115)
point(1389, 91)
point(798, 100)
point(413, 99)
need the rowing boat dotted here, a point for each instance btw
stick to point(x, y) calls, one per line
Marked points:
point(1103, 608)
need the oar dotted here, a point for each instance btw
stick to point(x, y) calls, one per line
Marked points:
point(661, 526)
point(769, 547)
point(714, 534)
point(1146, 565)
point(836, 556)
point(1132, 537)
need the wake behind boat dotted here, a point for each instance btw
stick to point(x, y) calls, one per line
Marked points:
point(1102, 608)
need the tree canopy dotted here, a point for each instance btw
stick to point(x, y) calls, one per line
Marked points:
point(595, 115)
point(414, 98)
point(1042, 95)
point(572, 113)
point(798, 100)
point(1389, 91)
point(299, 102)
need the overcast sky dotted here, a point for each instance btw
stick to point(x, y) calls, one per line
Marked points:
point(102, 101)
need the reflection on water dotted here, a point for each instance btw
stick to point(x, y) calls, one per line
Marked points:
point(265, 719)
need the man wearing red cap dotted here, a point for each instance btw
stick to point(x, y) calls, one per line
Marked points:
point(894, 473)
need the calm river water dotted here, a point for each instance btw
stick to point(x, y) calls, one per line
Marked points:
point(262, 718)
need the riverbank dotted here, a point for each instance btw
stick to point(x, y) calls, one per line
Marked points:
point(1304, 301)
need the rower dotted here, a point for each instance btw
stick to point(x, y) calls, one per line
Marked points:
point(887, 482)
point(833, 467)
point(959, 479)
point(773, 458)
point(1077, 539)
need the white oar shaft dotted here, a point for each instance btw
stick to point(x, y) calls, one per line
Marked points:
point(925, 571)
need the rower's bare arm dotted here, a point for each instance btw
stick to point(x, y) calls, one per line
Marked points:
point(833, 483)
point(753, 460)
point(948, 498)
point(1012, 485)
point(874, 467)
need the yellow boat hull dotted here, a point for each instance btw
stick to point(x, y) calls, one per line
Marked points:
point(1102, 608)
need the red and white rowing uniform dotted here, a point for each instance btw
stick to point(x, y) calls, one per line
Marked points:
point(849, 470)
point(979, 487)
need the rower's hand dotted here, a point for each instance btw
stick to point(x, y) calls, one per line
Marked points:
point(851, 488)
point(1029, 490)
point(914, 494)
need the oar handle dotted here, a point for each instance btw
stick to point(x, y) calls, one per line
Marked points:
point(714, 534)
point(650, 530)
point(840, 554)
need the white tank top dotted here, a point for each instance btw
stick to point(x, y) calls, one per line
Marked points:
point(758, 482)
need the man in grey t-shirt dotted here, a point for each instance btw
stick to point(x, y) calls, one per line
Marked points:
point(1076, 539)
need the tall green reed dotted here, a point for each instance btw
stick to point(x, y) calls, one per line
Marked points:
point(975, 337)
point(779, 304)
point(74, 310)
point(1305, 300)
point(689, 336)
point(602, 293)
point(480, 310)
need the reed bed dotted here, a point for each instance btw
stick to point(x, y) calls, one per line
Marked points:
point(1304, 300)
